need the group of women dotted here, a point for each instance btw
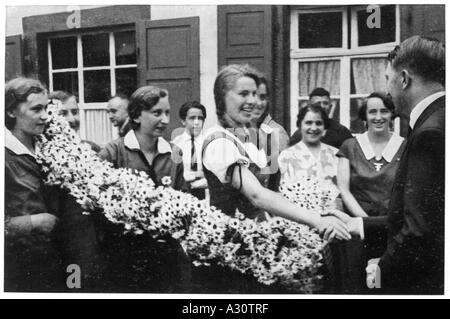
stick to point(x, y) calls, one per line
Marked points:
point(241, 174)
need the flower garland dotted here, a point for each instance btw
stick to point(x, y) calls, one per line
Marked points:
point(273, 251)
point(310, 193)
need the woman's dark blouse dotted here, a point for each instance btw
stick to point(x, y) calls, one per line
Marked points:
point(371, 187)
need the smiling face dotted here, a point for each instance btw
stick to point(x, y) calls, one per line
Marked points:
point(194, 121)
point(70, 111)
point(312, 128)
point(117, 111)
point(31, 115)
point(153, 122)
point(240, 101)
point(261, 101)
point(378, 116)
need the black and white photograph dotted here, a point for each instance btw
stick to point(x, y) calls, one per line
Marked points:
point(224, 149)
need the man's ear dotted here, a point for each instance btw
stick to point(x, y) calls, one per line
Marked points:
point(11, 114)
point(405, 78)
point(183, 122)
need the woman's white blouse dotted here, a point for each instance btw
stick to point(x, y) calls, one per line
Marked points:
point(297, 163)
point(221, 153)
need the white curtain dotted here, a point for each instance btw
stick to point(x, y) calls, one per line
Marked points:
point(98, 128)
point(368, 75)
point(315, 74)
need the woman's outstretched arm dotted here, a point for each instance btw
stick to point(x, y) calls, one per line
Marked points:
point(276, 204)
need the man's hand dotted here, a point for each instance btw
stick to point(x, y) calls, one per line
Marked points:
point(199, 174)
point(371, 271)
point(337, 213)
point(199, 183)
point(354, 226)
point(331, 227)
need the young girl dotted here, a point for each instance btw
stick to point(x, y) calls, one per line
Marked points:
point(230, 160)
point(139, 263)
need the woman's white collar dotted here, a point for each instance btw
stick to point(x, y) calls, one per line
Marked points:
point(13, 144)
point(389, 151)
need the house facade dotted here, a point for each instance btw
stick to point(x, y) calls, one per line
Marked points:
point(101, 51)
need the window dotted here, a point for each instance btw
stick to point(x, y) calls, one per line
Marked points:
point(375, 36)
point(334, 48)
point(94, 66)
point(320, 30)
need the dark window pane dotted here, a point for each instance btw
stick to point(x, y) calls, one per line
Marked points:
point(95, 49)
point(356, 125)
point(125, 47)
point(320, 30)
point(126, 81)
point(97, 86)
point(67, 81)
point(64, 53)
point(384, 34)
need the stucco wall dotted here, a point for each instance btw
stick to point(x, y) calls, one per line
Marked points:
point(426, 20)
point(14, 15)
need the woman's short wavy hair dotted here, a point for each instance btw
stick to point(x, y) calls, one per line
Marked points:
point(225, 81)
point(315, 108)
point(142, 99)
point(17, 91)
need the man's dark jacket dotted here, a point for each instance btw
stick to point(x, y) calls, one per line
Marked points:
point(413, 262)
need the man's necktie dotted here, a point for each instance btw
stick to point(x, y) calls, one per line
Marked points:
point(194, 164)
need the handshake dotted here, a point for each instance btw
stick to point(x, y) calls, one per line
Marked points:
point(337, 225)
point(340, 226)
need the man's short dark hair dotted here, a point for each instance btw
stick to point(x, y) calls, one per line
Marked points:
point(422, 56)
point(319, 92)
point(189, 105)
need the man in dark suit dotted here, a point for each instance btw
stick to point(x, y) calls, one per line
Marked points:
point(413, 262)
point(336, 133)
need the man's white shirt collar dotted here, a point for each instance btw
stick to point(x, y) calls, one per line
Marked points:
point(389, 151)
point(16, 146)
point(131, 142)
point(422, 106)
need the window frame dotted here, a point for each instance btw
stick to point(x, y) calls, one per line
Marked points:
point(112, 67)
point(297, 52)
point(344, 55)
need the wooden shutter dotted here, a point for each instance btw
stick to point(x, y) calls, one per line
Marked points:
point(13, 57)
point(169, 58)
point(245, 36)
